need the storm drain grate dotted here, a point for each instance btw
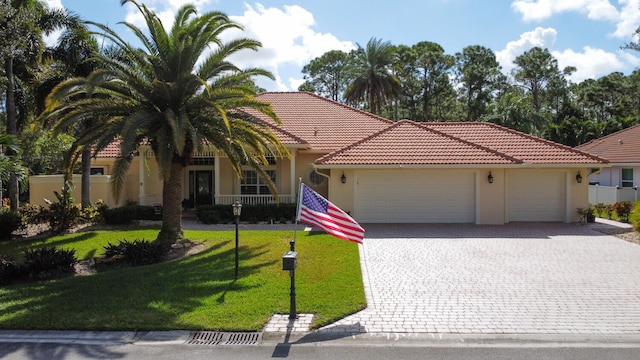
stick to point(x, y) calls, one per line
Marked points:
point(221, 338)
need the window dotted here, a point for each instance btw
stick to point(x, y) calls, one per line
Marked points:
point(254, 184)
point(627, 178)
point(202, 161)
point(97, 171)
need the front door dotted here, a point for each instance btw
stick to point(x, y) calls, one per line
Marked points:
point(201, 187)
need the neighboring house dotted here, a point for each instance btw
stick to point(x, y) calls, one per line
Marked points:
point(620, 181)
point(382, 171)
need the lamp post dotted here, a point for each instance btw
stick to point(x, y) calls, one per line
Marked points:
point(237, 209)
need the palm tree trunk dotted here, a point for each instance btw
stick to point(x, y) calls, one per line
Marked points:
point(85, 191)
point(172, 206)
point(12, 129)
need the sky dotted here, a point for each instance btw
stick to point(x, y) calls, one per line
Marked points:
point(587, 34)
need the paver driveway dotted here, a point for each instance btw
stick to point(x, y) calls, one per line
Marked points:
point(516, 278)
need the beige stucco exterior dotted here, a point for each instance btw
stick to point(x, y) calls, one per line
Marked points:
point(142, 184)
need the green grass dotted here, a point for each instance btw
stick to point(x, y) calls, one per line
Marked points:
point(195, 293)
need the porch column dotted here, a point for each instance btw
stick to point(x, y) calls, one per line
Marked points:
point(293, 181)
point(216, 177)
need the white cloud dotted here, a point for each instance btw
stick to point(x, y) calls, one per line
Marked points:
point(53, 4)
point(287, 36)
point(626, 17)
point(537, 10)
point(288, 40)
point(591, 63)
point(540, 37)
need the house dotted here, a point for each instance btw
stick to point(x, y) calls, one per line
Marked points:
point(382, 171)
point(620, 181)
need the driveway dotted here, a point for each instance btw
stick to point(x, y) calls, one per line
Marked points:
point(511, 279)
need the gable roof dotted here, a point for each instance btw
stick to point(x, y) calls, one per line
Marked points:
point(325, 125)
point(463, 143)
point(410, 143)
point(525, 147)
point(620, 147)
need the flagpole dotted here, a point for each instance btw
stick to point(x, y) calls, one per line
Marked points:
point(292, 246)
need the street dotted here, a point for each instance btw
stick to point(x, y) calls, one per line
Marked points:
point(316, 351)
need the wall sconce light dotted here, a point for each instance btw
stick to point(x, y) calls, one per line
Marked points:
point(579, 178)
point(343, 179)
point(490, 178)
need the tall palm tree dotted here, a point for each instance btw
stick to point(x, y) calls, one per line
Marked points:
point(22, 24)
point(373, 81)
point(72, 56)
point(176, 94)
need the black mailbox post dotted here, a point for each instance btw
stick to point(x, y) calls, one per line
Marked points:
point(290, 260)
point(289, 263)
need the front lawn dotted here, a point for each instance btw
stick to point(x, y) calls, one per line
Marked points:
point(195, 293)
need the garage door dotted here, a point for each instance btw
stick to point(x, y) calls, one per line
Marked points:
point(536, 195)
point(415, 196)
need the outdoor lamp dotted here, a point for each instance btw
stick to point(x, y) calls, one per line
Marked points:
point(490, 178)
point(343, 179)
point(579, 178)
point(237, 209)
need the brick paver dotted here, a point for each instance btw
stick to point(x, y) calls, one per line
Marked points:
point(511, 279)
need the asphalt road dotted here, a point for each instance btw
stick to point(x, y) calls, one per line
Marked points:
point(34, 351)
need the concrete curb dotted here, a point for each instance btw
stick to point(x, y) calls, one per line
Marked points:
point(180, 337)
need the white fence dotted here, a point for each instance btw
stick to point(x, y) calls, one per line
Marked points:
point(611, 194)
point(253, 199)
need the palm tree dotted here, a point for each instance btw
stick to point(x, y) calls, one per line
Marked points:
point(71, 57)
point(373, 81)
point(176, 94)
point(22, 24)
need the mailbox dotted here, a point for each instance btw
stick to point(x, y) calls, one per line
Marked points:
point(290, 260)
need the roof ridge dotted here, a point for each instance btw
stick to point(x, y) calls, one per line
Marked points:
point(423, 127)
point(603, 138)
point(496, 152)
point(534, 138)
point(348, 107)
point(351, 146)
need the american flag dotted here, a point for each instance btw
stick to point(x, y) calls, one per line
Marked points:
point(317, 211)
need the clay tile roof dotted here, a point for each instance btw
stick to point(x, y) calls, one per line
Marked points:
point(524, 147)
point(110, 151)
point(620, 147)
point(325, 125)
point(410, 143)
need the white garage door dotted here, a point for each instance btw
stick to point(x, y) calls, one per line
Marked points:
point(536, 195)
point(415, 196)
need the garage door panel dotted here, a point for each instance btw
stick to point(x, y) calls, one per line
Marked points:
point(537, 196)
point(415, 197)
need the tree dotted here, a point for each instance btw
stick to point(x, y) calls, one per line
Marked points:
point(165, 96)
point(327, 75)
point(373, 81)
point(536, 71)
point(22, 24)
point(72, 57)
point(424, 70)
point(479, 73)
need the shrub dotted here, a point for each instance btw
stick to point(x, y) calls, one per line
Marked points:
point(10, 271)
point(138, 252)
point(622, 209)
point(635, 216)
point(120, 215)
point(214, 214)
point(126, 214)
point(609, 210)
point(64, 214)
point(47, 263)
point(599, 209)
point(10, 221)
